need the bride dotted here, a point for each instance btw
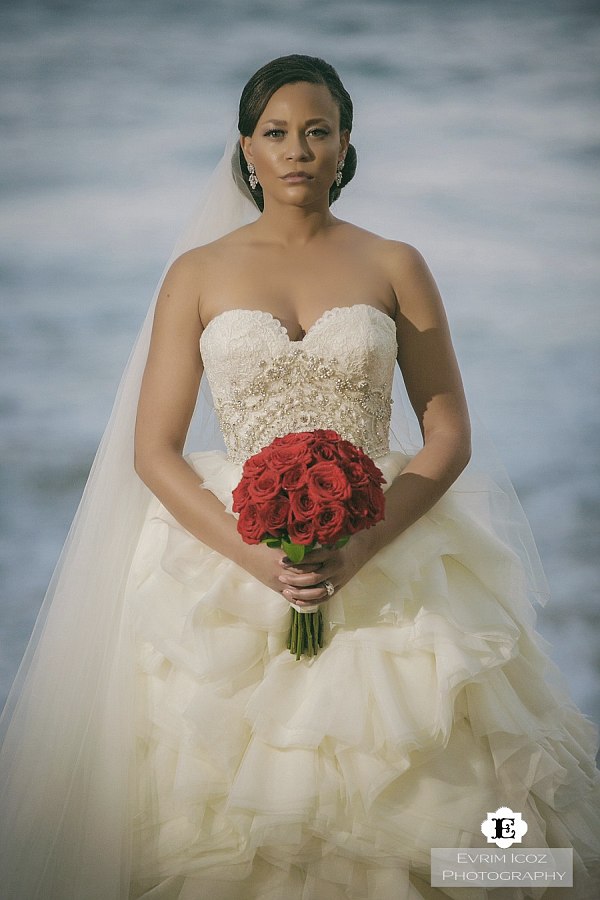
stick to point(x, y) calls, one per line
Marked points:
point(160, 741)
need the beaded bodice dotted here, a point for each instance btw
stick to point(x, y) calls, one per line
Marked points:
point(265, 385)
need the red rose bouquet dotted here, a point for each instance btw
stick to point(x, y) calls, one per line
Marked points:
point(306, 489)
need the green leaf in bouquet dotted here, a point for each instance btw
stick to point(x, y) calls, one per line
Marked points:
point(271, 541)
point(295, 552)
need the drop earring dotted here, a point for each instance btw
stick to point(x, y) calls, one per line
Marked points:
point(252, 176)
point(338, 174)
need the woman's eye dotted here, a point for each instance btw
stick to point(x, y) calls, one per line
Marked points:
point(278, 132)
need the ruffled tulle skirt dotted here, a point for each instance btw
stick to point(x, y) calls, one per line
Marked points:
point(434, 702)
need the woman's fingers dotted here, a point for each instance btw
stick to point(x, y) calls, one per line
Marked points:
point(309, 595)
point(303, 570)
point(303, 582)
point(307, 579)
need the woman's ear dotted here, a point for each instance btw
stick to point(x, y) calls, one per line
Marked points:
point(246, 145)
point(344, 141)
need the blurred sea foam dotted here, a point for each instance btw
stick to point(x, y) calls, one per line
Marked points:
point(478, 138)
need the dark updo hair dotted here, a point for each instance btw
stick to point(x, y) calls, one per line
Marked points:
point(290, 70)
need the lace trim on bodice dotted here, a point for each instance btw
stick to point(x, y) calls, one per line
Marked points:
point(265, 385)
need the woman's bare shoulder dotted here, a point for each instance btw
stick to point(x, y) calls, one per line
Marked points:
point(417, 294)
point(406, 271)
point(404, 263)
point(397, 252)
point(197, 266)
point(206, 253)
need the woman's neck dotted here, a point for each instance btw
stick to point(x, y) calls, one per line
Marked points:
point(294, 225)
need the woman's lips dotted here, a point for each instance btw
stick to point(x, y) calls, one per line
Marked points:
point(297, 177)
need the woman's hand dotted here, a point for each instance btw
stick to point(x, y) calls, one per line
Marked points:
point(263, 562)
point(303, 582)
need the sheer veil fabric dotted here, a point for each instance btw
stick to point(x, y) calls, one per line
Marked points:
point(67, 731)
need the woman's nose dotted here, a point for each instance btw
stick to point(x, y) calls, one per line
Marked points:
point(297, 147)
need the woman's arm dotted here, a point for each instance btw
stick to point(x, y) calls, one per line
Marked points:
point(434, 385)
point(167, 399)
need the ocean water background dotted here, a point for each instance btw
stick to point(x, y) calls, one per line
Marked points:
point(478, 136)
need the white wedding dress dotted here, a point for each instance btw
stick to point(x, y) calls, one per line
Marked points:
point(432, 703)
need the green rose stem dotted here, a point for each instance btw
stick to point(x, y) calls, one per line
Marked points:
point(306, 629)
point(306, 633)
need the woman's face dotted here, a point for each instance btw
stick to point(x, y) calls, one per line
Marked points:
point(296, 145)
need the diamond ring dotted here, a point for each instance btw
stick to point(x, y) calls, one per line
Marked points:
point(329, 588)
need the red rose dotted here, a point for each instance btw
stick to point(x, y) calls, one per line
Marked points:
point(301, 531)
point(255, 465)
point(240, 495)
point(347, 451)
point(287, 455)
point(376, 502)
point(354, 524)
point(275, 515)
point(295, 477)
point(330, 523)
point(295, 437)
point(324, 451)
point(375, 474)
point(326, 434)
point(365, 508)
point(302, 505)
point(250, 524)
point(327, 481)
point(356, 474)
point(266, 486)
point(359, 505)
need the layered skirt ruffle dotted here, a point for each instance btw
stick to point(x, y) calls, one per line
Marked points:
point(432, 703)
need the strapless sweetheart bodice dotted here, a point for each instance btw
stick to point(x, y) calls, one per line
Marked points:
point(265, 385)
